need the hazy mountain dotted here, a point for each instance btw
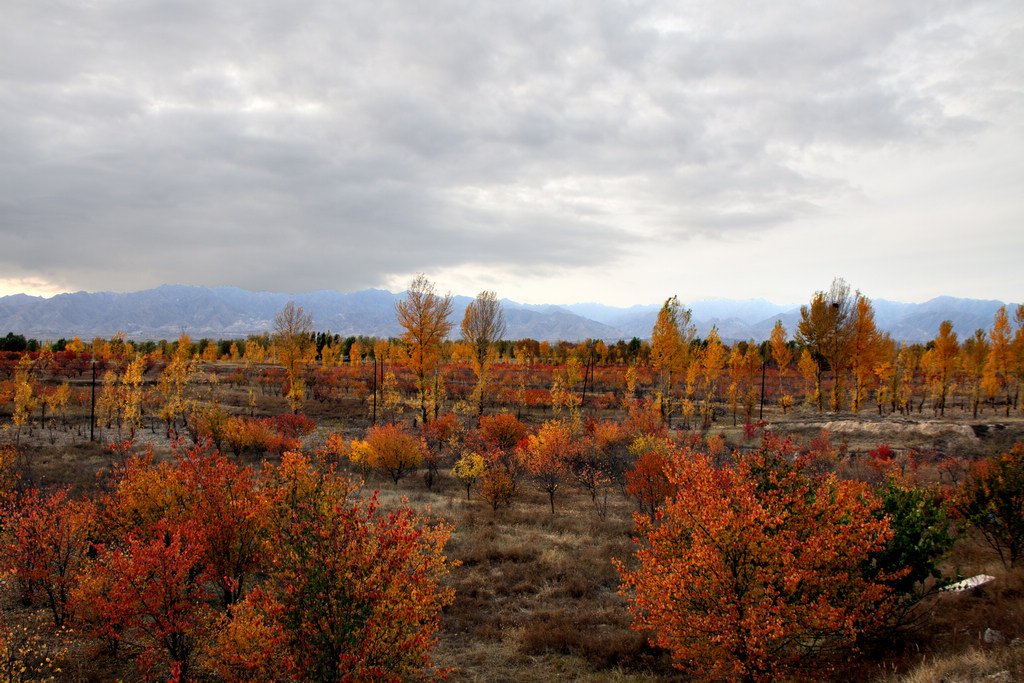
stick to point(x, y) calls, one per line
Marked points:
point(226, 312)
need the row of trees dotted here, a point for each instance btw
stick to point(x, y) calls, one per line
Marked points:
point(837, 352)
point(837, 335)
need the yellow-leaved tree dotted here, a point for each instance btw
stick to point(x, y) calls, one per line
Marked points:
point(941, 365)
point(865, 348)
point(293, 330)
point(826, 330)
point(482, 325)
point(783, 357)
point(712, 360)
point(670, 349)
point(426, 317)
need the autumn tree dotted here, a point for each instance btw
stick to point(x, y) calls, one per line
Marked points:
point(712, 360)
point(44, 542)
point(647, 480)
point(781, 353)
point(973, 360)
point(130, 394)
point(393, 450)
point(293, 343)
point(174, 383)
point(496, 439)
point(826, 331)
point(810, 376)
point(548, 454)
point(482, 325)
point(57, 401)
point(999, 369)
point(735, 376)
point(24, 394)
point(468, 469)
point(670, 347)
point(941, 364)
point(865, 348)
point(226, 502)
point(992, 500)
point(354, 593)
point(751, 364)
point(1018, 352)
point(746, 574)
point(152, 590)
point(425, 315)
point(885, 373)
point(230, 505)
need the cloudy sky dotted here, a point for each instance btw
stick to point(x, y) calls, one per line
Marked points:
point(554, 152)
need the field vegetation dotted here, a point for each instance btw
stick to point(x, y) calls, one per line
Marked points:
point(301, 506)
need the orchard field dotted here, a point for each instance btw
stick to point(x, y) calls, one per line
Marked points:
point(298, 506)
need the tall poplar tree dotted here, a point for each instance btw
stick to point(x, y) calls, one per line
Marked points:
point(426, 317)
point(670, 348)
point(826, 330)
point(482, 325)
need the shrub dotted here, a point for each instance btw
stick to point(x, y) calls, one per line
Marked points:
point(353, 593)
point(747, 573)
point(392, 449)
point(992, 500)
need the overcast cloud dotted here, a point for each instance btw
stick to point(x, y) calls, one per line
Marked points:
point(554, 152)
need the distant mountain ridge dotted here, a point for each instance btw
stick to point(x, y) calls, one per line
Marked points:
point(229, 312)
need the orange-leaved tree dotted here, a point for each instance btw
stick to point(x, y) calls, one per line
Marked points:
point(354, 593)
point(992, 500)
point(394, 450)
point(496, 439)
point(153, 590)
point(548, 455)
point(750, 571)
point(44, 543)
point(670, 349)
point(647, 480)
point(226, 502)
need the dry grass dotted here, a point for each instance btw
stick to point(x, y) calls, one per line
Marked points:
point(976, 664)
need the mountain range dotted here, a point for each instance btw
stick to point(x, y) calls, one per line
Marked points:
point(229, 312)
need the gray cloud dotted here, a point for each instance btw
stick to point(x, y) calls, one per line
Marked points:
point(335, 144)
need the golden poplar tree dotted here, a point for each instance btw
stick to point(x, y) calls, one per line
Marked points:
point(712, 360)
point(783, 357)
point(973, 360)
point(735, 376)
point(826, 330)
point(865, 348)
point(811, 373)
point(482, 325)
point(426, 317)
point(943, 364)
point(751, 365)
point(24, 394)
point(670, 346)
point(293, 330)
point(355, 353)
point(174, 381)
point(130, 395)
point(999, 370)
point(1018, 352)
